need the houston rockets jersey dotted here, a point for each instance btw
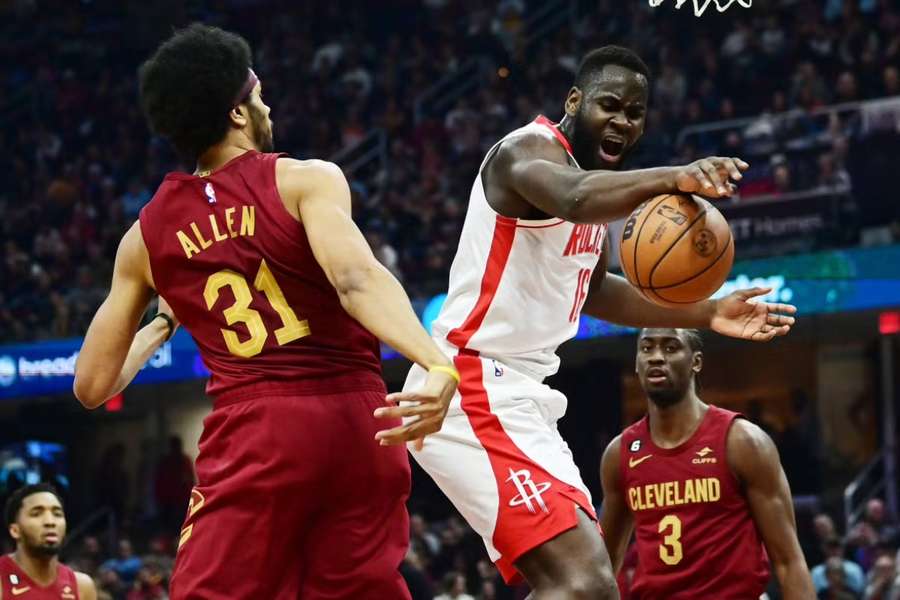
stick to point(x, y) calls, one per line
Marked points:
point(15, 583)
point(517, 286)
point(695, 535)
point(238, 271)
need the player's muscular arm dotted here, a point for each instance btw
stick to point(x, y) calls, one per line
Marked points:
point(615, 517)
point(613, 299)
point(754, 460)
point(86, 588)
point(317, 193)
point(112, 331)
point(535, 167)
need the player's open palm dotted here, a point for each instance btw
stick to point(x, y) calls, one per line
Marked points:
point(737, 315)
point(711, 177)
point(422, 410)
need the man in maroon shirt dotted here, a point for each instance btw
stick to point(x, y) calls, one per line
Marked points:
point(259, 259)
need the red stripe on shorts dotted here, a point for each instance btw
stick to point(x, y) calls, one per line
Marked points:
point(534, 506)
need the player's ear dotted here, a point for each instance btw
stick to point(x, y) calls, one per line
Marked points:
point(238, 116)
point(573, 101)
point(14, 531)
point(697, 362)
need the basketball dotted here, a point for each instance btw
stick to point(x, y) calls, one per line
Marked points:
point(676, 249)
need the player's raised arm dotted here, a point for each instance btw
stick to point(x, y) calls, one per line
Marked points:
point(536, 169)
point(112, 331)
point(754, 460)
point(615, 518)
point(367, 290)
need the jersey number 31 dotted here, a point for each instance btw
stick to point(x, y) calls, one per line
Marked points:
point(240, 312)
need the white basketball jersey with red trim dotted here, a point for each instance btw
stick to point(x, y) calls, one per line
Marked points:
point(517, 286)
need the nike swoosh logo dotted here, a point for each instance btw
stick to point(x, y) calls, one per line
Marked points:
point(21, 590)
point(633, 462)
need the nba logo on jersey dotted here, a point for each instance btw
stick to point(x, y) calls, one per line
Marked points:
point(210, 193)
point(14, 579)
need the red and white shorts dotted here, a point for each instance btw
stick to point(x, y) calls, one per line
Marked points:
point(501, 461)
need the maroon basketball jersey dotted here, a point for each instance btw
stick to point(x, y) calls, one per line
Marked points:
point(695, 535)
point(15, 583)
point(238, 271)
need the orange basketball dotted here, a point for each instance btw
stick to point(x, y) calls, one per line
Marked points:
point(676, 249)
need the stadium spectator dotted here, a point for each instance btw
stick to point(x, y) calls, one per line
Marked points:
point(454, 586)
point(125, 565)
point(836, 587)
point(881, 578)
point(851, 577)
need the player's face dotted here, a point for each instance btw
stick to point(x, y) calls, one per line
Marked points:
point(666, 365)
point(260, 123)
point(609, 117)
point(40, 525)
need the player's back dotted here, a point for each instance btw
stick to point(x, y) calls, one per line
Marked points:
point(695, 535)
point(15, 583)
point(238, 271)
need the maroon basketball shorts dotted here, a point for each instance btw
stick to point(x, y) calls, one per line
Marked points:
point(295, 500)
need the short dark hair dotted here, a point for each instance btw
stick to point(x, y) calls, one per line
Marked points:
point(594, 61)
point(189, 85)
point(694, 339)
point(15, 501)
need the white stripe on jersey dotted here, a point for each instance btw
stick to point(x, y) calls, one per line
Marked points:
point(517, 286)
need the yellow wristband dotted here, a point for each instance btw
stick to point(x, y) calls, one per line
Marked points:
point(451, 371)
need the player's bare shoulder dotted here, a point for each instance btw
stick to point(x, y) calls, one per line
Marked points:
point(509, 166)
point(748, 447)
point(86, 588)
point(301, 179)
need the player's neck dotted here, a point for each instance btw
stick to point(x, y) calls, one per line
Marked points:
point(671, 426)
point(222, 153)
point(567, 127)
point(41, 570)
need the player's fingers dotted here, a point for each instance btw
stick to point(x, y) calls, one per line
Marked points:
point(742, 164)
point(418, 444)
point(706, 185)
point(406, 410)
point(778, 307)
point(731, 168)
point(409, 432)
point(752, 292)
point(783, 330)
point(775, 319)
point(712, 173)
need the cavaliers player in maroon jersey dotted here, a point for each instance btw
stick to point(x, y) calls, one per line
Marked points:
point(259, 259)
point(703, 488)
point(35, 519)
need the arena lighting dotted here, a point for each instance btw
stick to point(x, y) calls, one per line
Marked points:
point(889, 322)
point(114, 404)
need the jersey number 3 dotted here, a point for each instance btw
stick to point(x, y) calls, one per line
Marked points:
point(670, 550)
point(240, 312)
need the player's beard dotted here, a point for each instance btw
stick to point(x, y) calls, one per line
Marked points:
point(585, 147)
point(42, 549)
point(665, 397)
point(262, 133)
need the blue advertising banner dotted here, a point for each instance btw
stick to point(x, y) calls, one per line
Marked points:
point(824, 282)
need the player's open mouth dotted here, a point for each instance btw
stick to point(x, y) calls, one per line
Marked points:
point(611, 148)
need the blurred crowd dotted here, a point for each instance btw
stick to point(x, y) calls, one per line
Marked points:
point(81, 162)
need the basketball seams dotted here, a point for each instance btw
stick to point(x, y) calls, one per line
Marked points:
point(674, 243)
point(711, 265)
point(637, 240)
point(698, 273)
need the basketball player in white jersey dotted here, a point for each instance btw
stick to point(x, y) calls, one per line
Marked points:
point(532, 258)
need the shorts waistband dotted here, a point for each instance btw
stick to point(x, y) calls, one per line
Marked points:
point(358, 381)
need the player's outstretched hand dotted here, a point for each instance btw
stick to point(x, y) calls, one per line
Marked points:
point(737, 315)
point(422, 410)
point(711, 177)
